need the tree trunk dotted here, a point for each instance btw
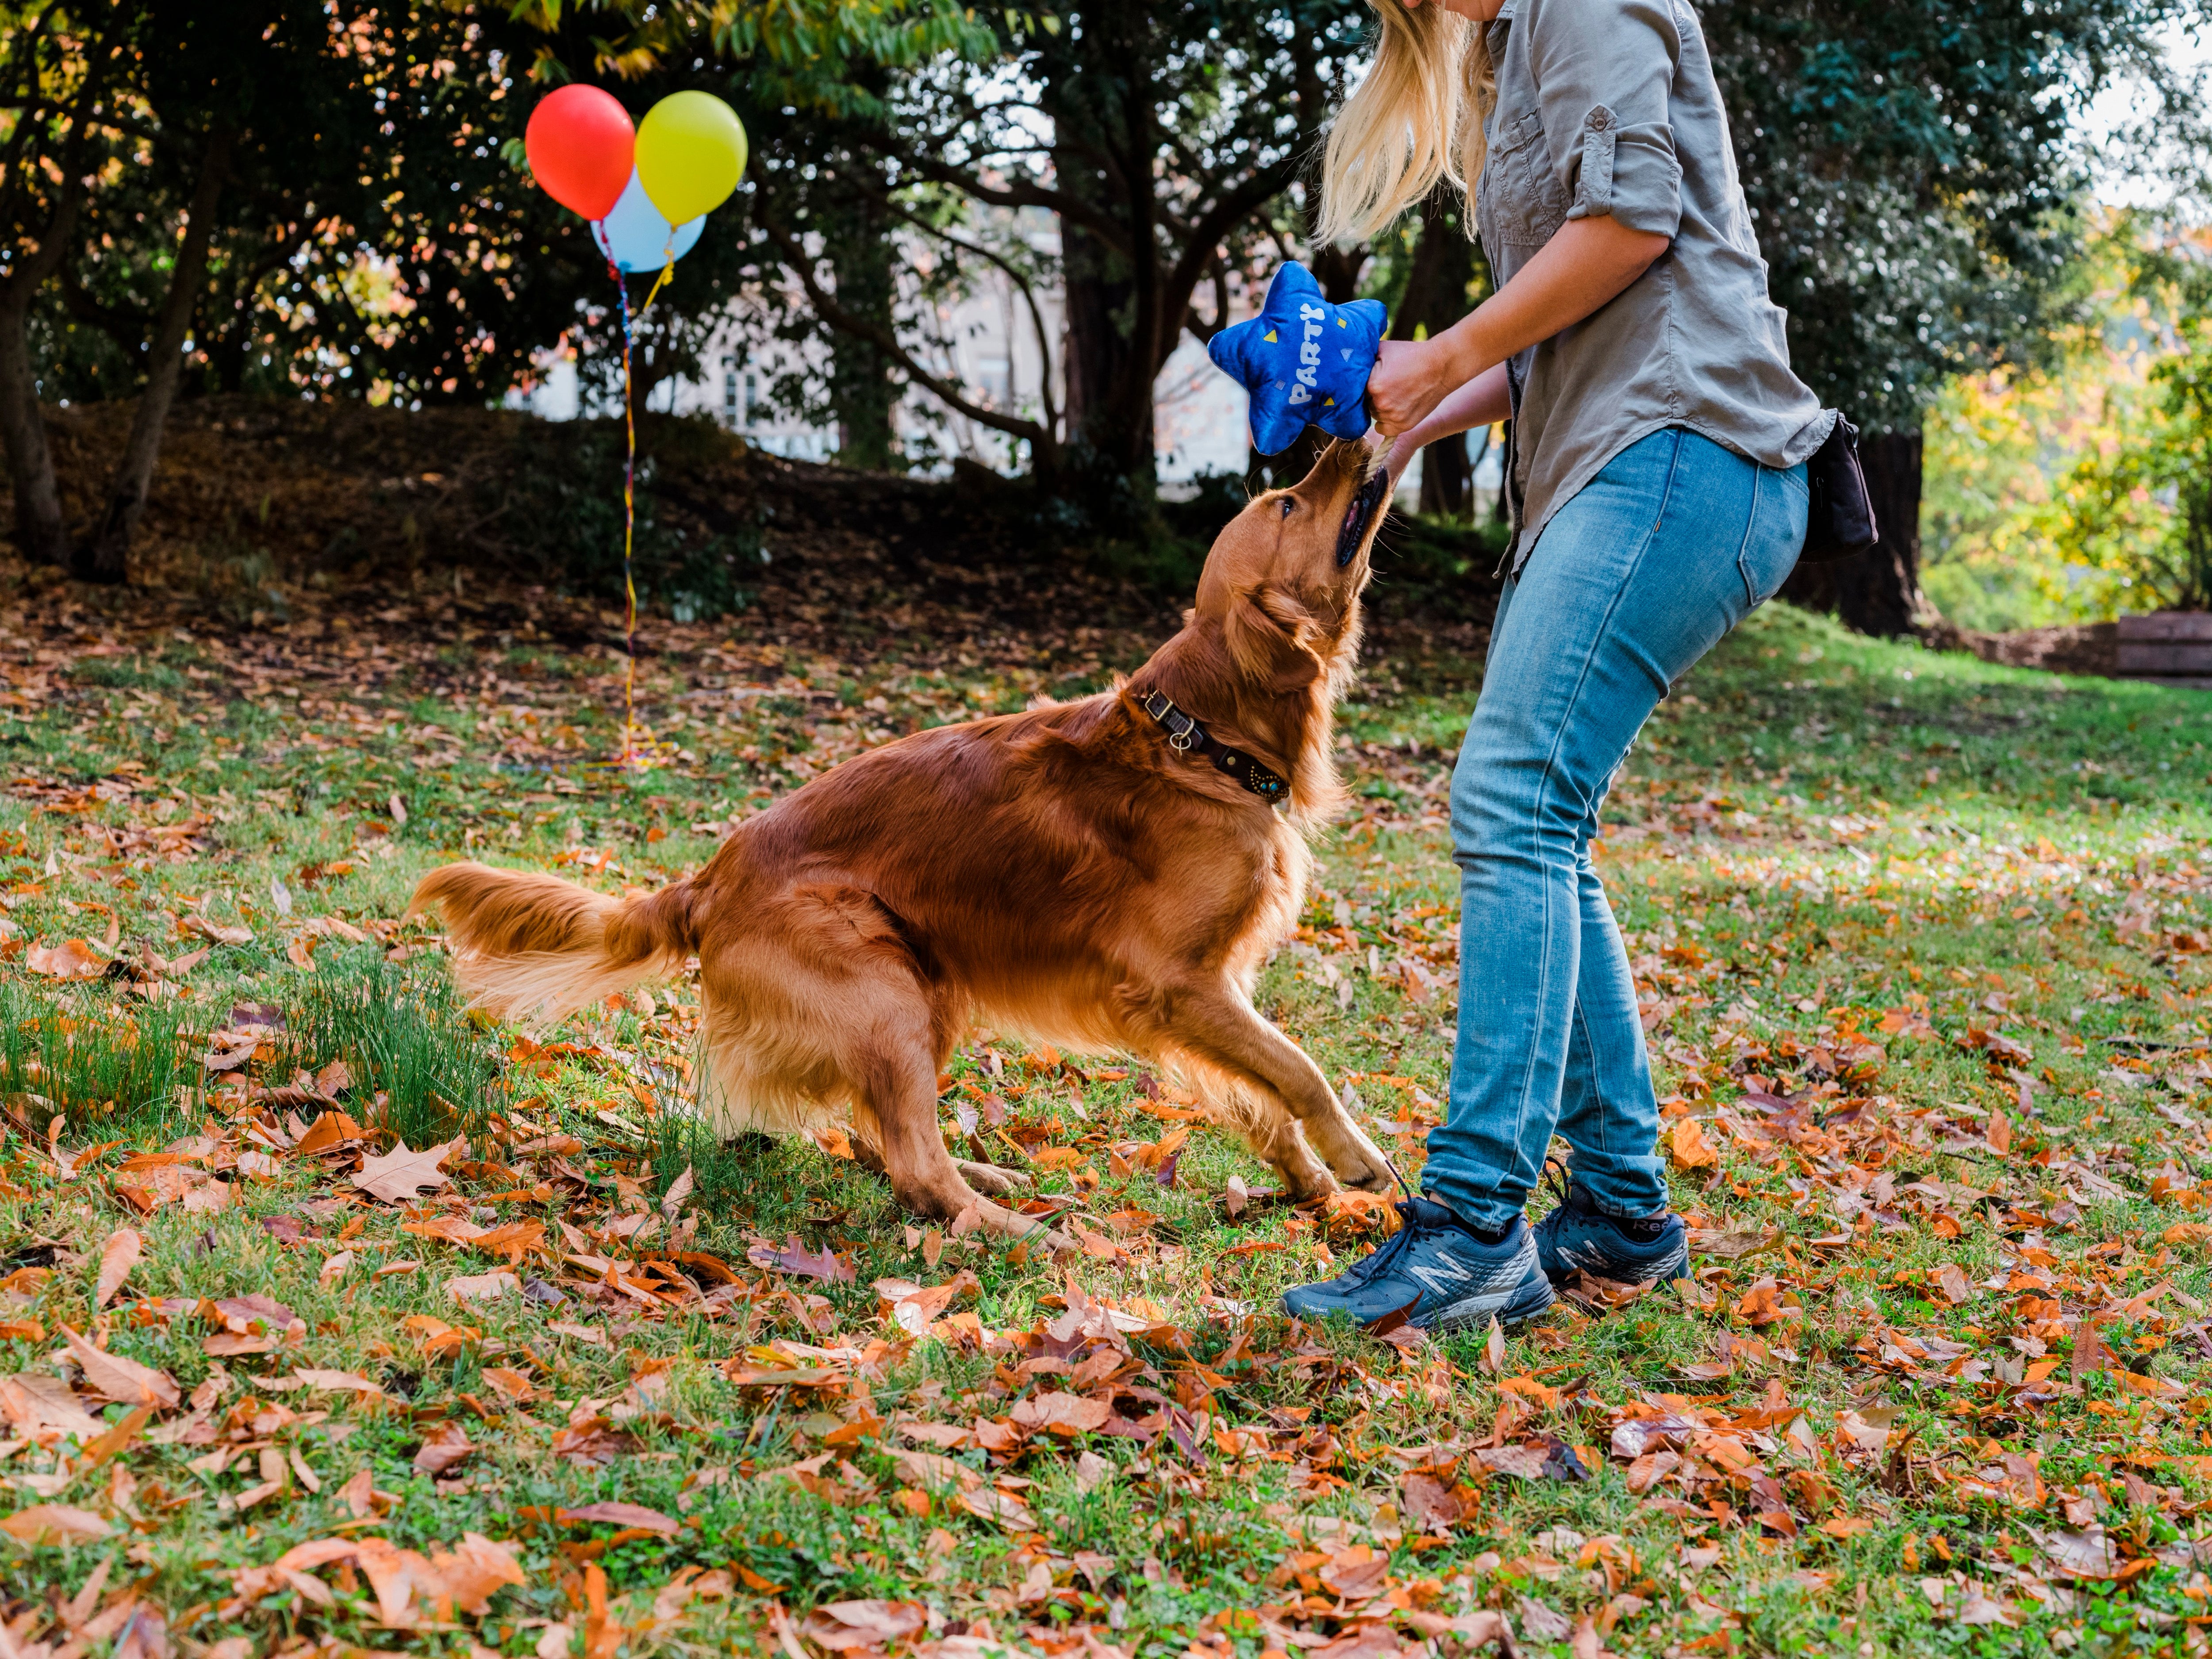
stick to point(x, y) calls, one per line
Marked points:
point(40, 536)
point(101, 559)
point(860, 388)
point(1442, 271)
point(1103, 359)
point(1337, 270)
point(1446, 478)
point(1878, 591)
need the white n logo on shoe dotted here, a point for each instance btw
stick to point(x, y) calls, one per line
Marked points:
point(1440, 1279)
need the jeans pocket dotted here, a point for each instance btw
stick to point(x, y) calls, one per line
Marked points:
point(1775, 535)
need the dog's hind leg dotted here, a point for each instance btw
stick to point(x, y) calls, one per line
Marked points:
point(983, 1177)
point(893, 1075)
point(1214, 1023)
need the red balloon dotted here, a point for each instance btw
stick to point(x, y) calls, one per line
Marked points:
point(580, 142)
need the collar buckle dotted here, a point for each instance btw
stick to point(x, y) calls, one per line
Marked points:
point(1185, 735)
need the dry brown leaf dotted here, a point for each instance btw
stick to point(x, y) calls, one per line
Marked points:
point(113, 1378)
point(117, 1258)
point(220, 932)
point(1761, 1304)
point(472, 1570)
point(2151, 1388)
point(671, 1201)
point(1430, 1502)
point(1689, 1147)
point(1952, 1280)
point(838, 1625)
point(32, 1400)
point(444, 1444)
point(511, 1383)
point(55, 1523)
point(792, 1257)
point(992, 1504)
point(359, 1494)
point(341, 1382)
point(400, 1174)
point(931, 1470)
point(1356, 1573)
point(483, 1287)
point(331, 1129)
point(593, 1442)
point(622, 1515)
point(73, 958)
point(1061, 1413)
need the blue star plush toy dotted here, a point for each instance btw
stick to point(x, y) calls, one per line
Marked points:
point(1304, 360)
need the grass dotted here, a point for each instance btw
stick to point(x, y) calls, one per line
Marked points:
point(1843, 868)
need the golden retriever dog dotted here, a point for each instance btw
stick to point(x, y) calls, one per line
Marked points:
point(1102, 875)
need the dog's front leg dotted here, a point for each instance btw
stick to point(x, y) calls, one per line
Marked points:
point(1215, 1023)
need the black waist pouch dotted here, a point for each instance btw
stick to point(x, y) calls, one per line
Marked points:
point(1839, 518)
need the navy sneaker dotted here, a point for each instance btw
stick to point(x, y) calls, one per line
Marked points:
point(1438, 1272)
point(1575, 1237)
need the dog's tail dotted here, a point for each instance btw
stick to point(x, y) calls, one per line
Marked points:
point(533, 947)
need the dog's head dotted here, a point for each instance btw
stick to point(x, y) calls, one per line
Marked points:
point(1284, 578)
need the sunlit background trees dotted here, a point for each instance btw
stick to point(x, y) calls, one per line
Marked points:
point(328, 200)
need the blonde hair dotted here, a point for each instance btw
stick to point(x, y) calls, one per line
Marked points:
point(1417, 115)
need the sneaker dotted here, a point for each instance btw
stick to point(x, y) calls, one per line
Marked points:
point(1575, 1237)
point(1440, 1274)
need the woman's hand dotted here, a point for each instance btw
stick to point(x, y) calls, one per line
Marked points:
point(1410, 377)
point(1482, 401)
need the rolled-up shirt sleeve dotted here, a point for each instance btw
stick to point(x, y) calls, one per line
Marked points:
point(1603, 69)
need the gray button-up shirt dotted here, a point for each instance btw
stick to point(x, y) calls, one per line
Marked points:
point(1610, 106)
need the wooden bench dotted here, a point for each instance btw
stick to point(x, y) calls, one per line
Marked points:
point(2173, 648)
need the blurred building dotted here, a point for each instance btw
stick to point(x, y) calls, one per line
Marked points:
point(978, 332)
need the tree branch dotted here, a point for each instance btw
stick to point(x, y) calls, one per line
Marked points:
point(1100, 225)
point(1043, 444)
point(1207, 232)
point(1013, 275)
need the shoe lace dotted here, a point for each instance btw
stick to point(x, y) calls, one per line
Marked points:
point(1556, 1176)
point(1385, 1253)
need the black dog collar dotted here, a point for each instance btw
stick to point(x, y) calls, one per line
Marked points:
point(1186, 735)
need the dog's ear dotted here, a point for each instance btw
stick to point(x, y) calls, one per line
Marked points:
point(1271, 639)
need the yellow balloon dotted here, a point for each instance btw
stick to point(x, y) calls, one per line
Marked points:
point(690, 151)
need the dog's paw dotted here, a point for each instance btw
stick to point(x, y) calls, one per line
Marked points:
point(1373, 1178)
point(990, 1178)
point(1358, 1162)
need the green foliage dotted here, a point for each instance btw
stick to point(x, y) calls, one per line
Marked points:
point(1913, 175)
point(2072, 490)
point(564, 503)
point(2144, 510)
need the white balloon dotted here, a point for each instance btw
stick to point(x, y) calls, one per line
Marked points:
point(635, 237)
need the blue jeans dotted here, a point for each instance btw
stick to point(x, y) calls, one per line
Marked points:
point(1633, 580)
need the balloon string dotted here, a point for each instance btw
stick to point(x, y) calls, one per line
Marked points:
point(629, 529)
point(630, 757)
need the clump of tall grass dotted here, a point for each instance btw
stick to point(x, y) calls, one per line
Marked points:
point(416, 1067)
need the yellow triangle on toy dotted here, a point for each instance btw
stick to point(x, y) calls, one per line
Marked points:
point(1271, 337)
point(1340, 323)
point(1328, 403)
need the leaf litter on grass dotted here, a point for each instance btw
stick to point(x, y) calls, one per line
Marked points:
point(1943, 1162)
